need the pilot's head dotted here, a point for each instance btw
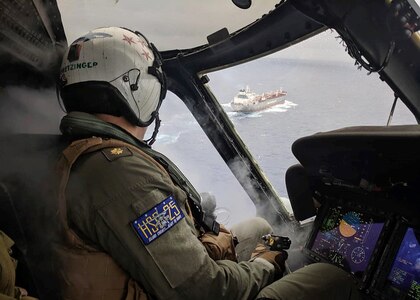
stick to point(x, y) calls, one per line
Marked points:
point(113, 71)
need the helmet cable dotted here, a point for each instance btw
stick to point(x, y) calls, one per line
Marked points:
point(152, 139)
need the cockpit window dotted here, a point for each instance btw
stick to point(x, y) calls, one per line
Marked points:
point(323, 90)
point(184, 142)
point(168, 24)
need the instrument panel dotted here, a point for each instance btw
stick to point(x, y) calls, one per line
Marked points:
point(347, 238)
point(404, 276)
point(381, 250)
point(366, 181)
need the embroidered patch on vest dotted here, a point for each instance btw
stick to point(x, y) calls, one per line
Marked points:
point(112, 154)
point(158, 220)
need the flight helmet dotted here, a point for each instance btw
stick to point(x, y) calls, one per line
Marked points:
point(115, 71)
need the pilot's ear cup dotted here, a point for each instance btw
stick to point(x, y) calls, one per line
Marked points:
point(300, 192)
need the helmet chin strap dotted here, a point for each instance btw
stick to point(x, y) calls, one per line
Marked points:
point(152, 139)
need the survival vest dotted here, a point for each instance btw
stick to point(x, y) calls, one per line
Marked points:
point(85, 272)
point(88, 273)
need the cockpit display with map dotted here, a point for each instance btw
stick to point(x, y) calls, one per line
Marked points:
point(405, 271)
point(347, 238)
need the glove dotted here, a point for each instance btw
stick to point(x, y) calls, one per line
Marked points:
point(221, 246)
point(276, 258)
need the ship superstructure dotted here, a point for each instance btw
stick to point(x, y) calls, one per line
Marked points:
point(248, 101)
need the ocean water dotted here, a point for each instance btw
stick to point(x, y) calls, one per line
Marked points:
point(322, 95)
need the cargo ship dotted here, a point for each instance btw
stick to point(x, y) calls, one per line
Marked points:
point(248, 101)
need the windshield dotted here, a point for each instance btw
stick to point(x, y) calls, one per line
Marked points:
point(168, 24)
point(325, 91)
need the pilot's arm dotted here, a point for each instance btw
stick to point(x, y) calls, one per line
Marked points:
point(133, 211)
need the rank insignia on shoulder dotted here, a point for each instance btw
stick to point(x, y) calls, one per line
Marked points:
point(112, 154)
point(158, 220)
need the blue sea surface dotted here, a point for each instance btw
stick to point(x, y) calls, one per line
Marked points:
point(322, 95)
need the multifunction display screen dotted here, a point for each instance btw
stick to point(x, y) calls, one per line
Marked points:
point(405, 271)
point(347, 238)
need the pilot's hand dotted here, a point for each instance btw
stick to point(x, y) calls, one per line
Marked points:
point(276, 258)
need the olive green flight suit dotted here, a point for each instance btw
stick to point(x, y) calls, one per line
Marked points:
point(107, 192)
point(7, 268)
point(111, 188)
point(8, 290)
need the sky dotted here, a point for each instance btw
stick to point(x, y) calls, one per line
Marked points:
point(185, 23)
point(168, 24)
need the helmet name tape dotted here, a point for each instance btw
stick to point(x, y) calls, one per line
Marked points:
point(81, 65)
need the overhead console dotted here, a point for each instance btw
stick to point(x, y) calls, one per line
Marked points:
point(365, 182)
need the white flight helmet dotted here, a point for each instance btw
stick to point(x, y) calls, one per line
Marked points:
point(116, 71)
